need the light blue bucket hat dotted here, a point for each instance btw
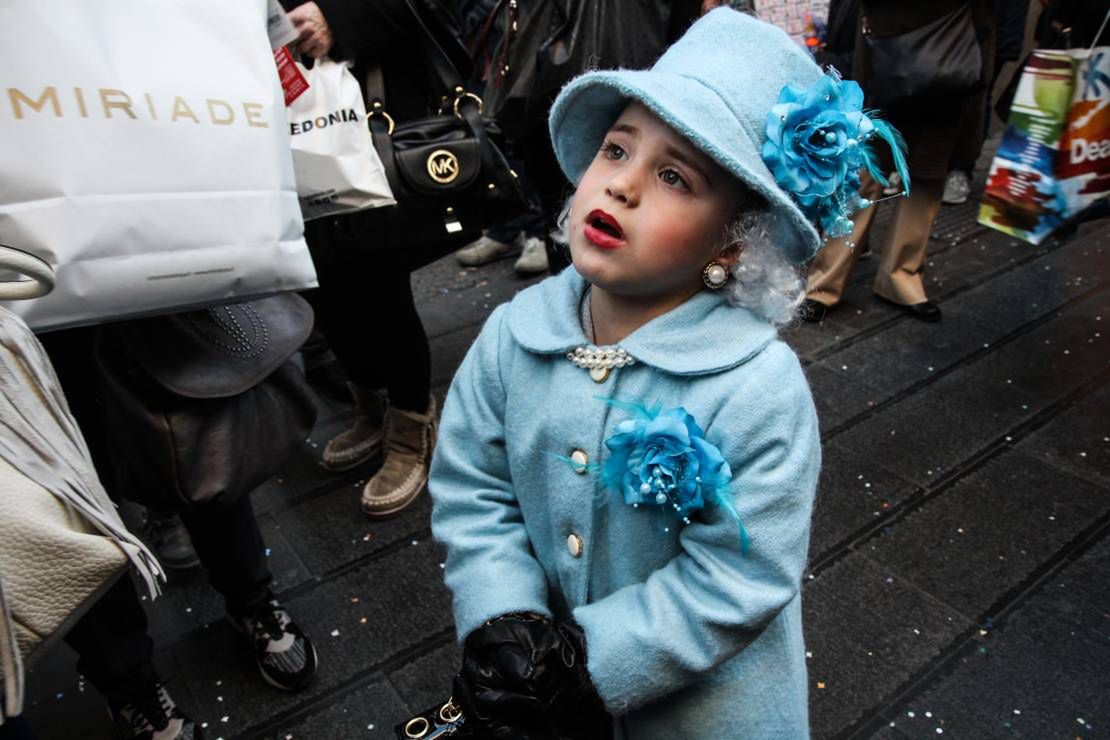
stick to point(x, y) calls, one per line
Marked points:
point(715, 86)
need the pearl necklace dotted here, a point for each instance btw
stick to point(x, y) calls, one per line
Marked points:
point(598, 360)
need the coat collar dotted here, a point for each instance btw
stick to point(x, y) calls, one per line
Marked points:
point(703, 335)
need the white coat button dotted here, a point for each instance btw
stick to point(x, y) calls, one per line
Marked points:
point(580, 460)
point(599, 374)
point(574, 545)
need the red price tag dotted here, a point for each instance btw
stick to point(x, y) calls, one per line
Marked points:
point(292, 81)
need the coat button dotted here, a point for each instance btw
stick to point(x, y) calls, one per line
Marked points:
point(574, 545)
point(599, 374)
point(580, 460)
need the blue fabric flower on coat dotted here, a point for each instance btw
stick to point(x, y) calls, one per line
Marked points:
point(662, 458)
point(817, 143)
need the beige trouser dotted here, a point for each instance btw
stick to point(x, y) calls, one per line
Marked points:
point(902, 261)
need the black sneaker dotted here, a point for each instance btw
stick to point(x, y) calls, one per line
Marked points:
point(285, 656)
point(154, 716)
point(170, 540)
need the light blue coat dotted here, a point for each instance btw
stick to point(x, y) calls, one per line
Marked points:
point(686, 637)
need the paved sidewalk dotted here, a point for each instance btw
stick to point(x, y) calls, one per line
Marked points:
point(960, 549)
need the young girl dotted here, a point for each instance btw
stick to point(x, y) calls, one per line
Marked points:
point(628, 454)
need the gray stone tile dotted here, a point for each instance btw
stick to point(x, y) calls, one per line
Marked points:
point(859, 310)
point(187, 603)
point(808, 340)
point(1039, 674)
point(888, 732)
point(284, 563)
point(369, 712)
point(426, 681)
point(331, 531)
point(909, 351)
point(922, 436)
point(303, 477)
point(1036, 288)
point(448, 351)
point(837, 397)
point(1078, 440)
point(854, 490)
point(986, 534)
point(968, 262)
point(401, 597)
point(450, 297)
point(868, 631)
point(1057, 356)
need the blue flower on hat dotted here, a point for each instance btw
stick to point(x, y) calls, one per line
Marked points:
point(662, 459)
point(817, 144)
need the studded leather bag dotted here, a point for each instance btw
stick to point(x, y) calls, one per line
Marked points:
point(203, 407)
point(448, 172)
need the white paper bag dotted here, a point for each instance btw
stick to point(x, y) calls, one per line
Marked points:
point(337, 168)
point(145, 156)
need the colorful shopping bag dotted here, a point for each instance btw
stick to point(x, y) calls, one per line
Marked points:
point(1054, 158)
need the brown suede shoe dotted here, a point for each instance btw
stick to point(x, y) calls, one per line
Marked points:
point(409, 441)
point(363, 440)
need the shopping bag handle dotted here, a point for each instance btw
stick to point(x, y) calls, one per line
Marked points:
point(40, 273)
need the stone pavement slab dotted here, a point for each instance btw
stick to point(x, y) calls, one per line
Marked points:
point(1042, 674)
point(868, 630)
point(986, 534)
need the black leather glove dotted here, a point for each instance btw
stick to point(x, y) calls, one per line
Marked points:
point(524, 677)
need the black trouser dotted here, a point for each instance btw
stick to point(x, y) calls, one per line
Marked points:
point(365, 308)
point(114, 651)
point(111, 639)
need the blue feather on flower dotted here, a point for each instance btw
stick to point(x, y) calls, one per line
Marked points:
point(660, 458)
point(818, 141)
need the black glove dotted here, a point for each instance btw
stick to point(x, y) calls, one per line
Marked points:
point(525, 678)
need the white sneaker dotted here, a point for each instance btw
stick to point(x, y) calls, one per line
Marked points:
point(485, 250)
point(533, 258)
point(957, 187)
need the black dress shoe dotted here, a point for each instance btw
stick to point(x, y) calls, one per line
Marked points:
point(813, 312)
point(924, 311)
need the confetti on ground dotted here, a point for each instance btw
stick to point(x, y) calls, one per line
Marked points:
point(335, 633)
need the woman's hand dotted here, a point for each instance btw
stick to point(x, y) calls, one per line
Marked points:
point(313, 33)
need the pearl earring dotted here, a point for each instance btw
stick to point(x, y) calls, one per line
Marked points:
point(715, 275)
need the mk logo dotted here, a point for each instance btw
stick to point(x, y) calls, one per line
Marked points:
point(443, 166)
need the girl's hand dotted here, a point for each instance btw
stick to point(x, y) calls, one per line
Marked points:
point(525, 677)
point(314, 35)
point(708, 5)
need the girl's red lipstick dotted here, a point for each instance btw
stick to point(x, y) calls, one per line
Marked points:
point(602, 230)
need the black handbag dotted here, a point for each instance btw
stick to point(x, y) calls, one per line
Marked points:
point(447, 172)
point(202, 407)
point(941, 58)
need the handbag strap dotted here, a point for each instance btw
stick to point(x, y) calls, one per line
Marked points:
point(41, 274)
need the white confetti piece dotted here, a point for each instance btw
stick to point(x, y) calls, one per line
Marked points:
point(335, 633)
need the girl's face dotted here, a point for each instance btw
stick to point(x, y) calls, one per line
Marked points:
point(650, 211)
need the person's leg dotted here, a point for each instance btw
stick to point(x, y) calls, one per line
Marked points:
point(902, 263)
point(345, 322)
point(231, 548)
point(406, 374)
point(113, 649)
point(832, 267)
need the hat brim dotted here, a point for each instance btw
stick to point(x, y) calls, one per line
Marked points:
point(589, 105)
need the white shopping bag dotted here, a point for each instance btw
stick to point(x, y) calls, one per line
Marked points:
point(338, 170)
point(145, 157)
